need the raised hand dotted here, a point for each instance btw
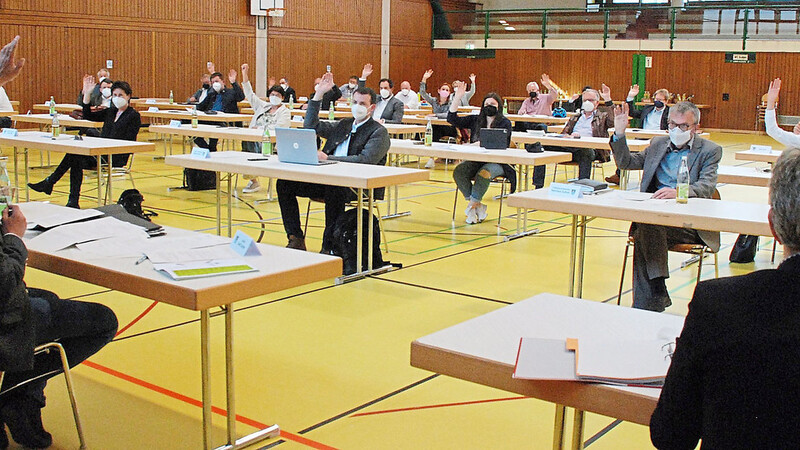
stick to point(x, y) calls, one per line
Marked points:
point(232, 76)
point(9, 67)
point(270, 82)
point(366, 71)
point(472, 78)
point(459, 90)
point(88, 84)
point(325, 85)
point(605, 92)
point(546, 80)
point(773, 93)
point(634, 91)
point(427, 74)
point(621, 119)
point(245, 74)
point(211, 67)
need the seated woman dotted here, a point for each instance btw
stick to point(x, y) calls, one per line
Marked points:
point(272, 114)
point(440, 106)
point(120, 121)
point(490, 117)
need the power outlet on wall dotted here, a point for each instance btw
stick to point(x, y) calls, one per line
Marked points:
point(726, 97)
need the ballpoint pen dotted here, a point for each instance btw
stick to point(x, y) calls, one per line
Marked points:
point(141, 260)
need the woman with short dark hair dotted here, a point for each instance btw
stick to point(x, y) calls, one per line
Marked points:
point(120, 121)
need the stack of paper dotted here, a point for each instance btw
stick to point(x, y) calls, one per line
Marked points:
point(611, 361)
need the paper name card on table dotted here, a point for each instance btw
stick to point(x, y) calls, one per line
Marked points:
point(200, 153)
point(565, 190)
point(150, 101)
point(201, 269)
point(10, 132)
point(244, 245)
point(152, 109)
point(761, 148)
point(175, 123)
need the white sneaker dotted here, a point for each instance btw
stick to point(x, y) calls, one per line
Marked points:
point(472, 216)
point(430, 164)
point(252, 186)
point(482, 212)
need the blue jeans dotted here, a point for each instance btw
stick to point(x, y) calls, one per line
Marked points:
point(82, 328)
point(465, 172)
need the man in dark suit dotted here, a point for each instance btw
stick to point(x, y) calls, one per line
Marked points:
point(288, 91)
point(734, 381)
point(357, 140)
point(221, 99)
point(388, 109)
point(653, 117)
point(659, 163)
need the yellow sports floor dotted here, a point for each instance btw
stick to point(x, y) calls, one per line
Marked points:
point(330, 364)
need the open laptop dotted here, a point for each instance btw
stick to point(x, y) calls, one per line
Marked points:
point(298, 146)
point(494, 138)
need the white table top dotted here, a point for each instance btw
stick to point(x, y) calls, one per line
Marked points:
point(63, 119)
point(698, 213)
point(537, 118)
point(475, 153)
point(750, 155)
point(365, 176)
point(183, 114)
point(41, 140)
point(484, 350)
point(324, 114)
point(60, 107)
point(745, 175)
point(213, 131)
point(518, 137)
point(278, 268)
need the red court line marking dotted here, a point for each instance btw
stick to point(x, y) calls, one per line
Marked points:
point(443, 405)
point(215, 409)
point(138, 318)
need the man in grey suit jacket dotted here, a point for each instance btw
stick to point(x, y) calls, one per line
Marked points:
point(388, 109)
point(659, 163)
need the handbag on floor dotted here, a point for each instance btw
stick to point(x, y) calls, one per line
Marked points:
point(744, 249)
point(199, 180)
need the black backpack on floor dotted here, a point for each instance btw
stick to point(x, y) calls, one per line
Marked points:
point(199, 180)
point(344, 236)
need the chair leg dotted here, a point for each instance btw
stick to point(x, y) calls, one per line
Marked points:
point(308, 212)
point(716, 264)
point(700, 265)
point(622, 275)
point(70, 388)
point(502, 194)
point(455, 201)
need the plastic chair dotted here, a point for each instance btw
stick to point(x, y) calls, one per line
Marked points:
point(116, 172)
point(46, 348)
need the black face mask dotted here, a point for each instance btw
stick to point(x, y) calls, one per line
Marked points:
point(490, 110)
point(206, 86)
point(659, 104)
point(534, 95)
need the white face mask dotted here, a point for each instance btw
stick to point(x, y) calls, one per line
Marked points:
point(678, 137)
point(274, 100)
point(284, 86)
point(385, 93)
point(119, 102)
point(217, 86)
point(352, 85)
point(359, 112)
point(315, 87)
point(106, 92)
point(588, 106)
point(406, 91)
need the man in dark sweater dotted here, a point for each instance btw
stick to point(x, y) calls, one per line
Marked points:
point(221, 99)
point(359, 140)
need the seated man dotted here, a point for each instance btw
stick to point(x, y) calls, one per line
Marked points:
point(388, 109)
point(220, 98)
point(660, 162)
point(351, 86)
point(288, 91)
point(409, 98)
point(538, 103)
point(734, 380)
point(331, 96)
point(593, 121)
point(653, 117)
point(359, 140)
point(205, 85)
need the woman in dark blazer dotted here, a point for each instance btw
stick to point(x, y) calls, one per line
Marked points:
point(120, 121)
point(491, 116)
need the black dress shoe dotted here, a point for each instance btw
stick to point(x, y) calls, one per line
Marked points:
point(73, 204)
point(44, 186)
point(24, 420)
point(296, 243)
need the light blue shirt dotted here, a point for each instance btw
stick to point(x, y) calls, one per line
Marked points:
point(667, 172)
point(584, 125)
point(341, 149)
point(652, 121)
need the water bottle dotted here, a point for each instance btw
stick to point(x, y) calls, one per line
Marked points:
point(6, 189)
point(171, 98)
point(505, 107)
point(683, 182)
point(291, 102)
point(55, 127)
point(194, 116)
point(429, 133)
point(266, 144)
point(331, 111)
point(52, 106)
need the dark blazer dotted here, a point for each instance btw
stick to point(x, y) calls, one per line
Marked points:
point(703, 160)
point(734, 381)
point(125, 128)
point(470, 122)
point(230, 99)
point(199, 93)
point(289, 93)
point(17, 334)
point(642, 113)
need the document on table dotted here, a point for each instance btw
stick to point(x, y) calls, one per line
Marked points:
point(635, 196)
point(200, 269)
point(75, 233)
point(135, 246)
point(159, 256)
point(48, 215)
point(544, 359)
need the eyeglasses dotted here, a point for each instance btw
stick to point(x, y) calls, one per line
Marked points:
point(682, 126)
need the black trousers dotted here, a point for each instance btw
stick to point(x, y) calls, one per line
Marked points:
point(539, 172)
point(75, 165)
point(335, 199)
